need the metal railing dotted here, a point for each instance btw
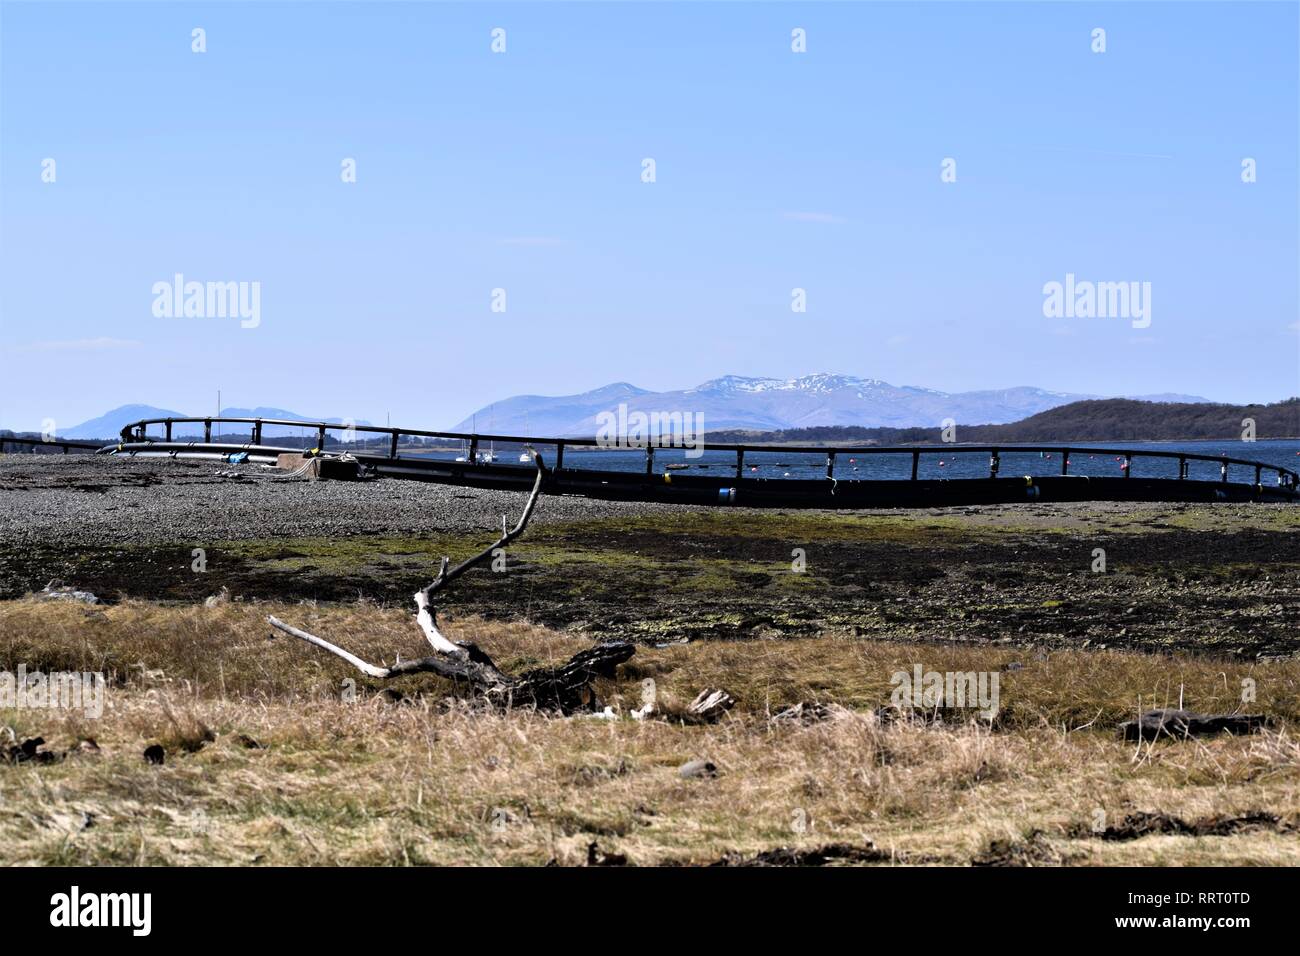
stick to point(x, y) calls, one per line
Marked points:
point(137, 432)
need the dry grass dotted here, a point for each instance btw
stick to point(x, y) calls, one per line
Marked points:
point(433, 781)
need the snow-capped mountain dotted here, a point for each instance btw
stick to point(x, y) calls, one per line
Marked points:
point(821, 382)
point(768, 404)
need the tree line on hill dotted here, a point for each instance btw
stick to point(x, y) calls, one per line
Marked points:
point(1108, 419)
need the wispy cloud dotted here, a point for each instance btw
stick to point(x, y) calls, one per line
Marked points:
point(102, 344)
point(823, 217)
point(532, 241)
point(1103, 152)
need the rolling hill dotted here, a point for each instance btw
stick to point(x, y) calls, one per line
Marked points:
point(111, 423)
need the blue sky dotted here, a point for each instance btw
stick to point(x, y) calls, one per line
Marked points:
point(522, 171)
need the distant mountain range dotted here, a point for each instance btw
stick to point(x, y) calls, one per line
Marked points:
point(734, 402)
point(730, 403)
point(110, 424)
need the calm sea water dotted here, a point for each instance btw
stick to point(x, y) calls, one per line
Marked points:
point(952, 463)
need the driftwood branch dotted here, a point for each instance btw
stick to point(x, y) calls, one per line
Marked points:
point(370, 670)
point(566, 688)
point(427, 615)
point(445, 576)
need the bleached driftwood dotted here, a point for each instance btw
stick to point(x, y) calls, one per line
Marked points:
point(709, 705)
point(566, 688)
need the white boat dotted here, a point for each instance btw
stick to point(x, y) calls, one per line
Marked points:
point(489, 456)
point(526, 457)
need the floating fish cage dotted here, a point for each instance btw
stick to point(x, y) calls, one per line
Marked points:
point(741, 475)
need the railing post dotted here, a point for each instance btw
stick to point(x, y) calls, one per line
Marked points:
point(916, 461)
point(1182, 467)
point(1128, 465)
point(1223, 471)
point(392, 446)
point(257, 432)
point(995, 462)
point(740, 462)
point(649, 458)
point(207, 431)
point(830, 465)
point(473, 450)
point(320, 438)
point(169, 429)
point(1065, 461)
point(1258, 473)
point(559, 455)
